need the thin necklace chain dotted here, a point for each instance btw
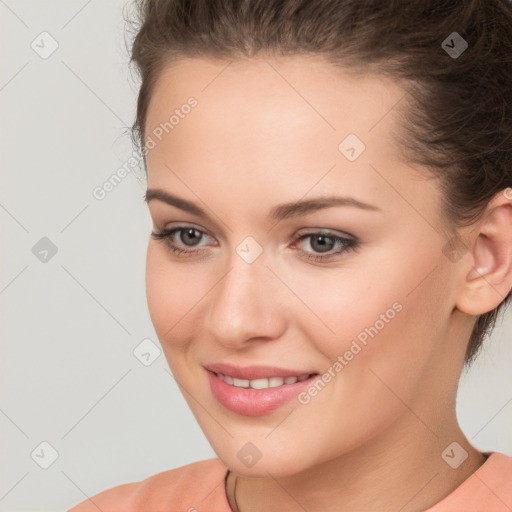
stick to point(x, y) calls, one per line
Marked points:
point(237, 509)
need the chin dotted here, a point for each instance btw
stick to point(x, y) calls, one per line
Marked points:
point(267, 461)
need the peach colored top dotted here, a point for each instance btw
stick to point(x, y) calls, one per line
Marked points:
point(200, 487)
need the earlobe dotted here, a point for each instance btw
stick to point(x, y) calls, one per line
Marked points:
point(489, 278)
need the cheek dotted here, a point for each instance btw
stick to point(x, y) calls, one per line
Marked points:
point(384, 345)
point(355, 302)
point(157, 289)
point(171, 292)
point(387, 314)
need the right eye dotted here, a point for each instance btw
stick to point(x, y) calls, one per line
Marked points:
point(184, 235)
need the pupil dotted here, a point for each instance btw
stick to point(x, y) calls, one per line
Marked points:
point(189, 236)
point(322, 246)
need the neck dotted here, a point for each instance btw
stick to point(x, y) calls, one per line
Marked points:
point(402, 470)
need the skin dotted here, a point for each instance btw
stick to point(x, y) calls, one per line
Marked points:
point(266, 132)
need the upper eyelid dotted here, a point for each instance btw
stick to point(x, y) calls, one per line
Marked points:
point(325, 231)
point(303, 231)
point(177, 229)
point(186, 226)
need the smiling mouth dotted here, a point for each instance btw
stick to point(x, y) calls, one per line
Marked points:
point(260, 395)
point(272, 382)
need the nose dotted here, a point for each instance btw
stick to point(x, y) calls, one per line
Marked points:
point(247, 304)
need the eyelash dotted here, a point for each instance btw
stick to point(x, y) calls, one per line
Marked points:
point(167, 236)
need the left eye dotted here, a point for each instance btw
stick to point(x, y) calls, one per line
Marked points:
point(324, 242)
point(319, 241)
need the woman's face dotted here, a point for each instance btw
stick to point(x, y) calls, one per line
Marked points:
point(370, 321)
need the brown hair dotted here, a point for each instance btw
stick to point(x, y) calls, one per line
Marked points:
point(458, 120)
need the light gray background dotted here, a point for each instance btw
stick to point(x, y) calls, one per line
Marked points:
point(70, 325)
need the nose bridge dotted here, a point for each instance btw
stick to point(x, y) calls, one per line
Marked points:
point(243, 305)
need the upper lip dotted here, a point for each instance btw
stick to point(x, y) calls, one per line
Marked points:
point(254, 371)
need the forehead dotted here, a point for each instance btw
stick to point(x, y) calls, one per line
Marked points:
point(294, 93)
point(274, 124)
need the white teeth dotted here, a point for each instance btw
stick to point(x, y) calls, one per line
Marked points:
point(259, 383)
point(272, 382)
point(241, 383)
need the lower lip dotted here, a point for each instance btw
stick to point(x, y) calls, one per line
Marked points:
point(255, 402)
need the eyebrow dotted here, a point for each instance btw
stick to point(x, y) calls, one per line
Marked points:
point(280, 212)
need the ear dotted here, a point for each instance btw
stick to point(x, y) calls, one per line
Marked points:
point(487, 276)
